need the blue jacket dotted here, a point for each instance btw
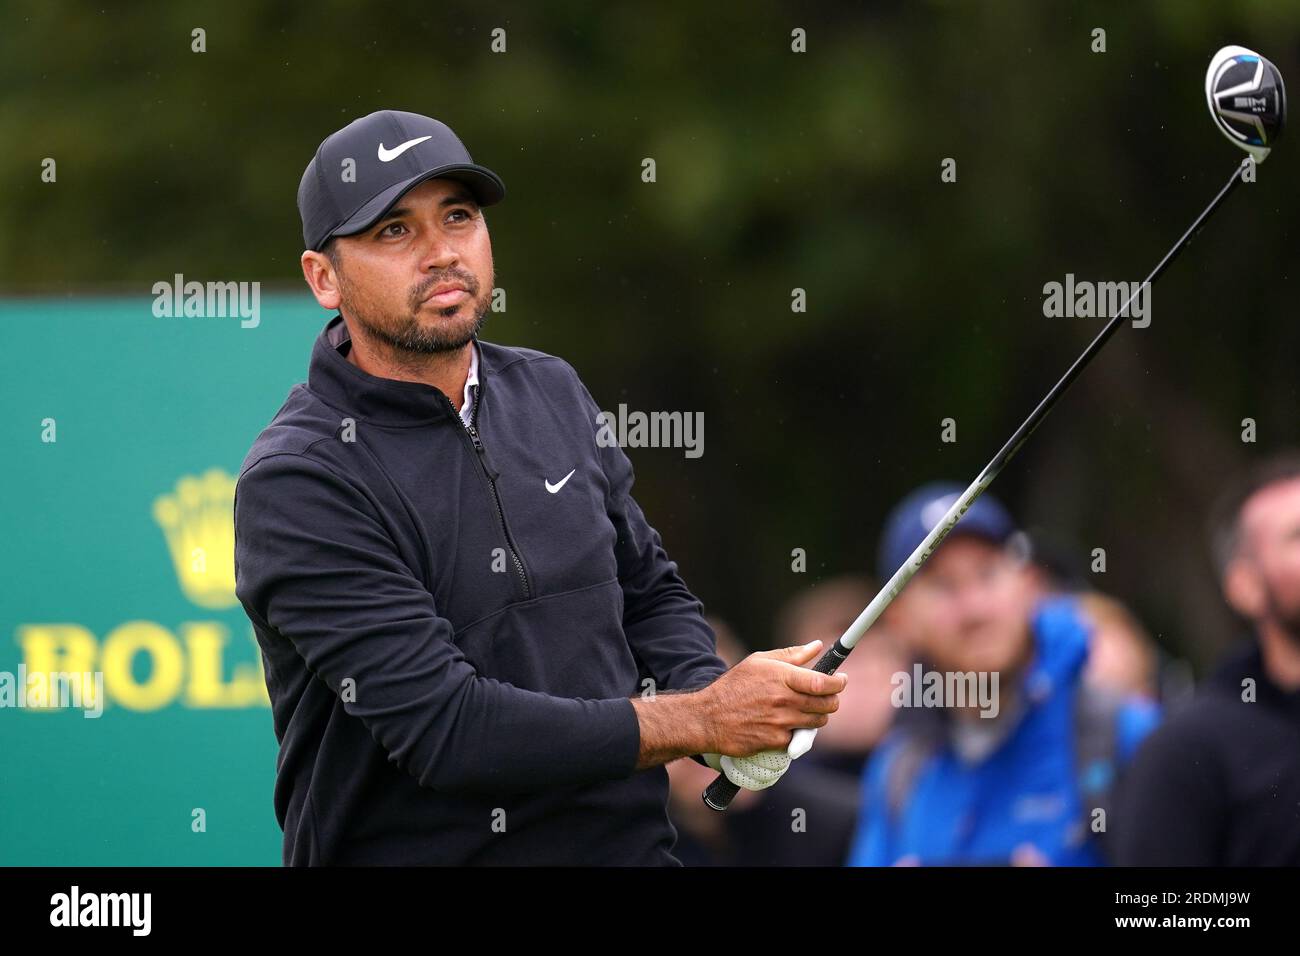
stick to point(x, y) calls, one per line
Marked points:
point(1026, 791)
point(450, 648)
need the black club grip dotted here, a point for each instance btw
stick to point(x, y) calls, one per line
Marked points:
point(719, 794)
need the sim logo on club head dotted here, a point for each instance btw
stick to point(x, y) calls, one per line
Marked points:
point(1247, 99)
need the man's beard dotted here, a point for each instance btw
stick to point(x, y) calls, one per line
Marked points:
point(407, 334)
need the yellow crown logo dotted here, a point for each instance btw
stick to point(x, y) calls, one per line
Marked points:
point(198, 520)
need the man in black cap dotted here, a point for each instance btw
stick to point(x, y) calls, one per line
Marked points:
point(476, 648)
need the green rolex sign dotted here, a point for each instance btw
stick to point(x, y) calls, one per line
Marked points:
point(134, 716)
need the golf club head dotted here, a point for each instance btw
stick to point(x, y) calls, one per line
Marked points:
point(1247, 99)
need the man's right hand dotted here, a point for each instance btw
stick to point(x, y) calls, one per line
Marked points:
point(757, 704)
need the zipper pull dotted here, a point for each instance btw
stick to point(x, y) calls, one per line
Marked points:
point(473, 413)
point(473, 434)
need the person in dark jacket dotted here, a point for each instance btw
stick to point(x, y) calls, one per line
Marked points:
point(1219, 783)
point(476, 647)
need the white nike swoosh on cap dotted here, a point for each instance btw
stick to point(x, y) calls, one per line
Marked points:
point(388, 155)
point(553, 488)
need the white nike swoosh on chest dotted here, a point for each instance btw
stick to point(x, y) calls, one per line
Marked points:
point(553, 488)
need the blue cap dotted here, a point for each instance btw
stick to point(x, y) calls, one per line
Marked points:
point(917, 514)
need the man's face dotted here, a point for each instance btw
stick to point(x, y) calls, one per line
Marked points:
point(434, 235)
point(1267, 567)
point(969, 607)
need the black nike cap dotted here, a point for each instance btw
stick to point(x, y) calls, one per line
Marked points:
point(360, 171)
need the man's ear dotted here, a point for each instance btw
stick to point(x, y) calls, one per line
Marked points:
point(322, 279)
point(1244, 589)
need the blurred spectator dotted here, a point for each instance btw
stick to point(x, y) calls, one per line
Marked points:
point(1011, 773)
point(1219, 784)
point(1122, 657)
point(824, 612)
point(806, 819)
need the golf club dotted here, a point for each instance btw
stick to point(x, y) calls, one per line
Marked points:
point(1248, 102)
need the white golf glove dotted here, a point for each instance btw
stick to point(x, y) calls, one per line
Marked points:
point(759, 771)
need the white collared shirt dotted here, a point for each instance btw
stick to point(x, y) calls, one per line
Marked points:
point(467, 405)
